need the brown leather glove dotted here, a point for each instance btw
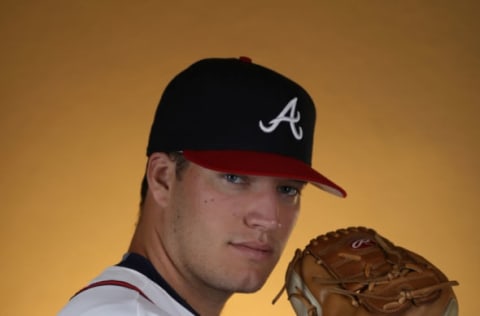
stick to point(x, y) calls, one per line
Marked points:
point(355, 271)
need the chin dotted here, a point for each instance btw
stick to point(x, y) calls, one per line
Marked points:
point(251, 286)
point(249, 290)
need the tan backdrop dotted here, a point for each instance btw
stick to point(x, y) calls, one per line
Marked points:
point(396, 85)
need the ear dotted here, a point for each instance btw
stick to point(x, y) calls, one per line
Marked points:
point(160, 176)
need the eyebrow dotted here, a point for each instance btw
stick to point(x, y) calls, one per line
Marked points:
point(299, 182)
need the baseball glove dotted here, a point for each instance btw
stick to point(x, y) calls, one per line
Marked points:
point(357, 272)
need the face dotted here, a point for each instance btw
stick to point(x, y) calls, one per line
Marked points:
point(226, 231)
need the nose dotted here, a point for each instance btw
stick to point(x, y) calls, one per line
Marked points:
point(263, 212)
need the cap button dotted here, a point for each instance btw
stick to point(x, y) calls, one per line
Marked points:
point(245, 59)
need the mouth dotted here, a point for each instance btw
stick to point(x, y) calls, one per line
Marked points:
point(253, 250)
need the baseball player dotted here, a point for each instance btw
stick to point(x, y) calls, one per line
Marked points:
point(229, 153)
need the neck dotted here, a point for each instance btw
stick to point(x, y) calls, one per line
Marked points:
point(204, 299)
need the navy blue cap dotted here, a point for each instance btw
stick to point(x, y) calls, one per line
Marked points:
point(231, 115)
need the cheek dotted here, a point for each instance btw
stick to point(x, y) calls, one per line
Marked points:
point(208, 200)
point(218, 211)
point(201, 209)
point(288, 221)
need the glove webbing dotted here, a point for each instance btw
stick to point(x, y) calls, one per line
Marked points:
point(393, 256)
point(393, 301)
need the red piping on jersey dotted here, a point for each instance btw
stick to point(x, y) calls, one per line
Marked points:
point(115, 283)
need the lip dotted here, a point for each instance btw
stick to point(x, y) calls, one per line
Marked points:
point(253, 250)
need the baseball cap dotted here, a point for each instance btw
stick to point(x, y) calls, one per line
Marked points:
point(232, 115)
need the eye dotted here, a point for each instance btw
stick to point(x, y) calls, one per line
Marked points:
point(233, 178)
point(288, 190)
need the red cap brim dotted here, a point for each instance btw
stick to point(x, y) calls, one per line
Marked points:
point(262, 164)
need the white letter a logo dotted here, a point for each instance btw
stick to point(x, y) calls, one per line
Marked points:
point(289, 115)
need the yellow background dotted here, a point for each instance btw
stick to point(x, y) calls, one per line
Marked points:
point(396, 84)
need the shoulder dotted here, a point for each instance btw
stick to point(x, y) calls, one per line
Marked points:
point(110, 300)
point(117, 300)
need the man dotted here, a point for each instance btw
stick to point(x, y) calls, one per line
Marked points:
point(228, 156)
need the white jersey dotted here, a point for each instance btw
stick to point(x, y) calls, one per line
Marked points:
point(123, 291)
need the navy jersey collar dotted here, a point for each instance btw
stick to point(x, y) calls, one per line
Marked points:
point(144, 266)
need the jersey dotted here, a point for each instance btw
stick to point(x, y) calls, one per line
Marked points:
point(131, 288)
